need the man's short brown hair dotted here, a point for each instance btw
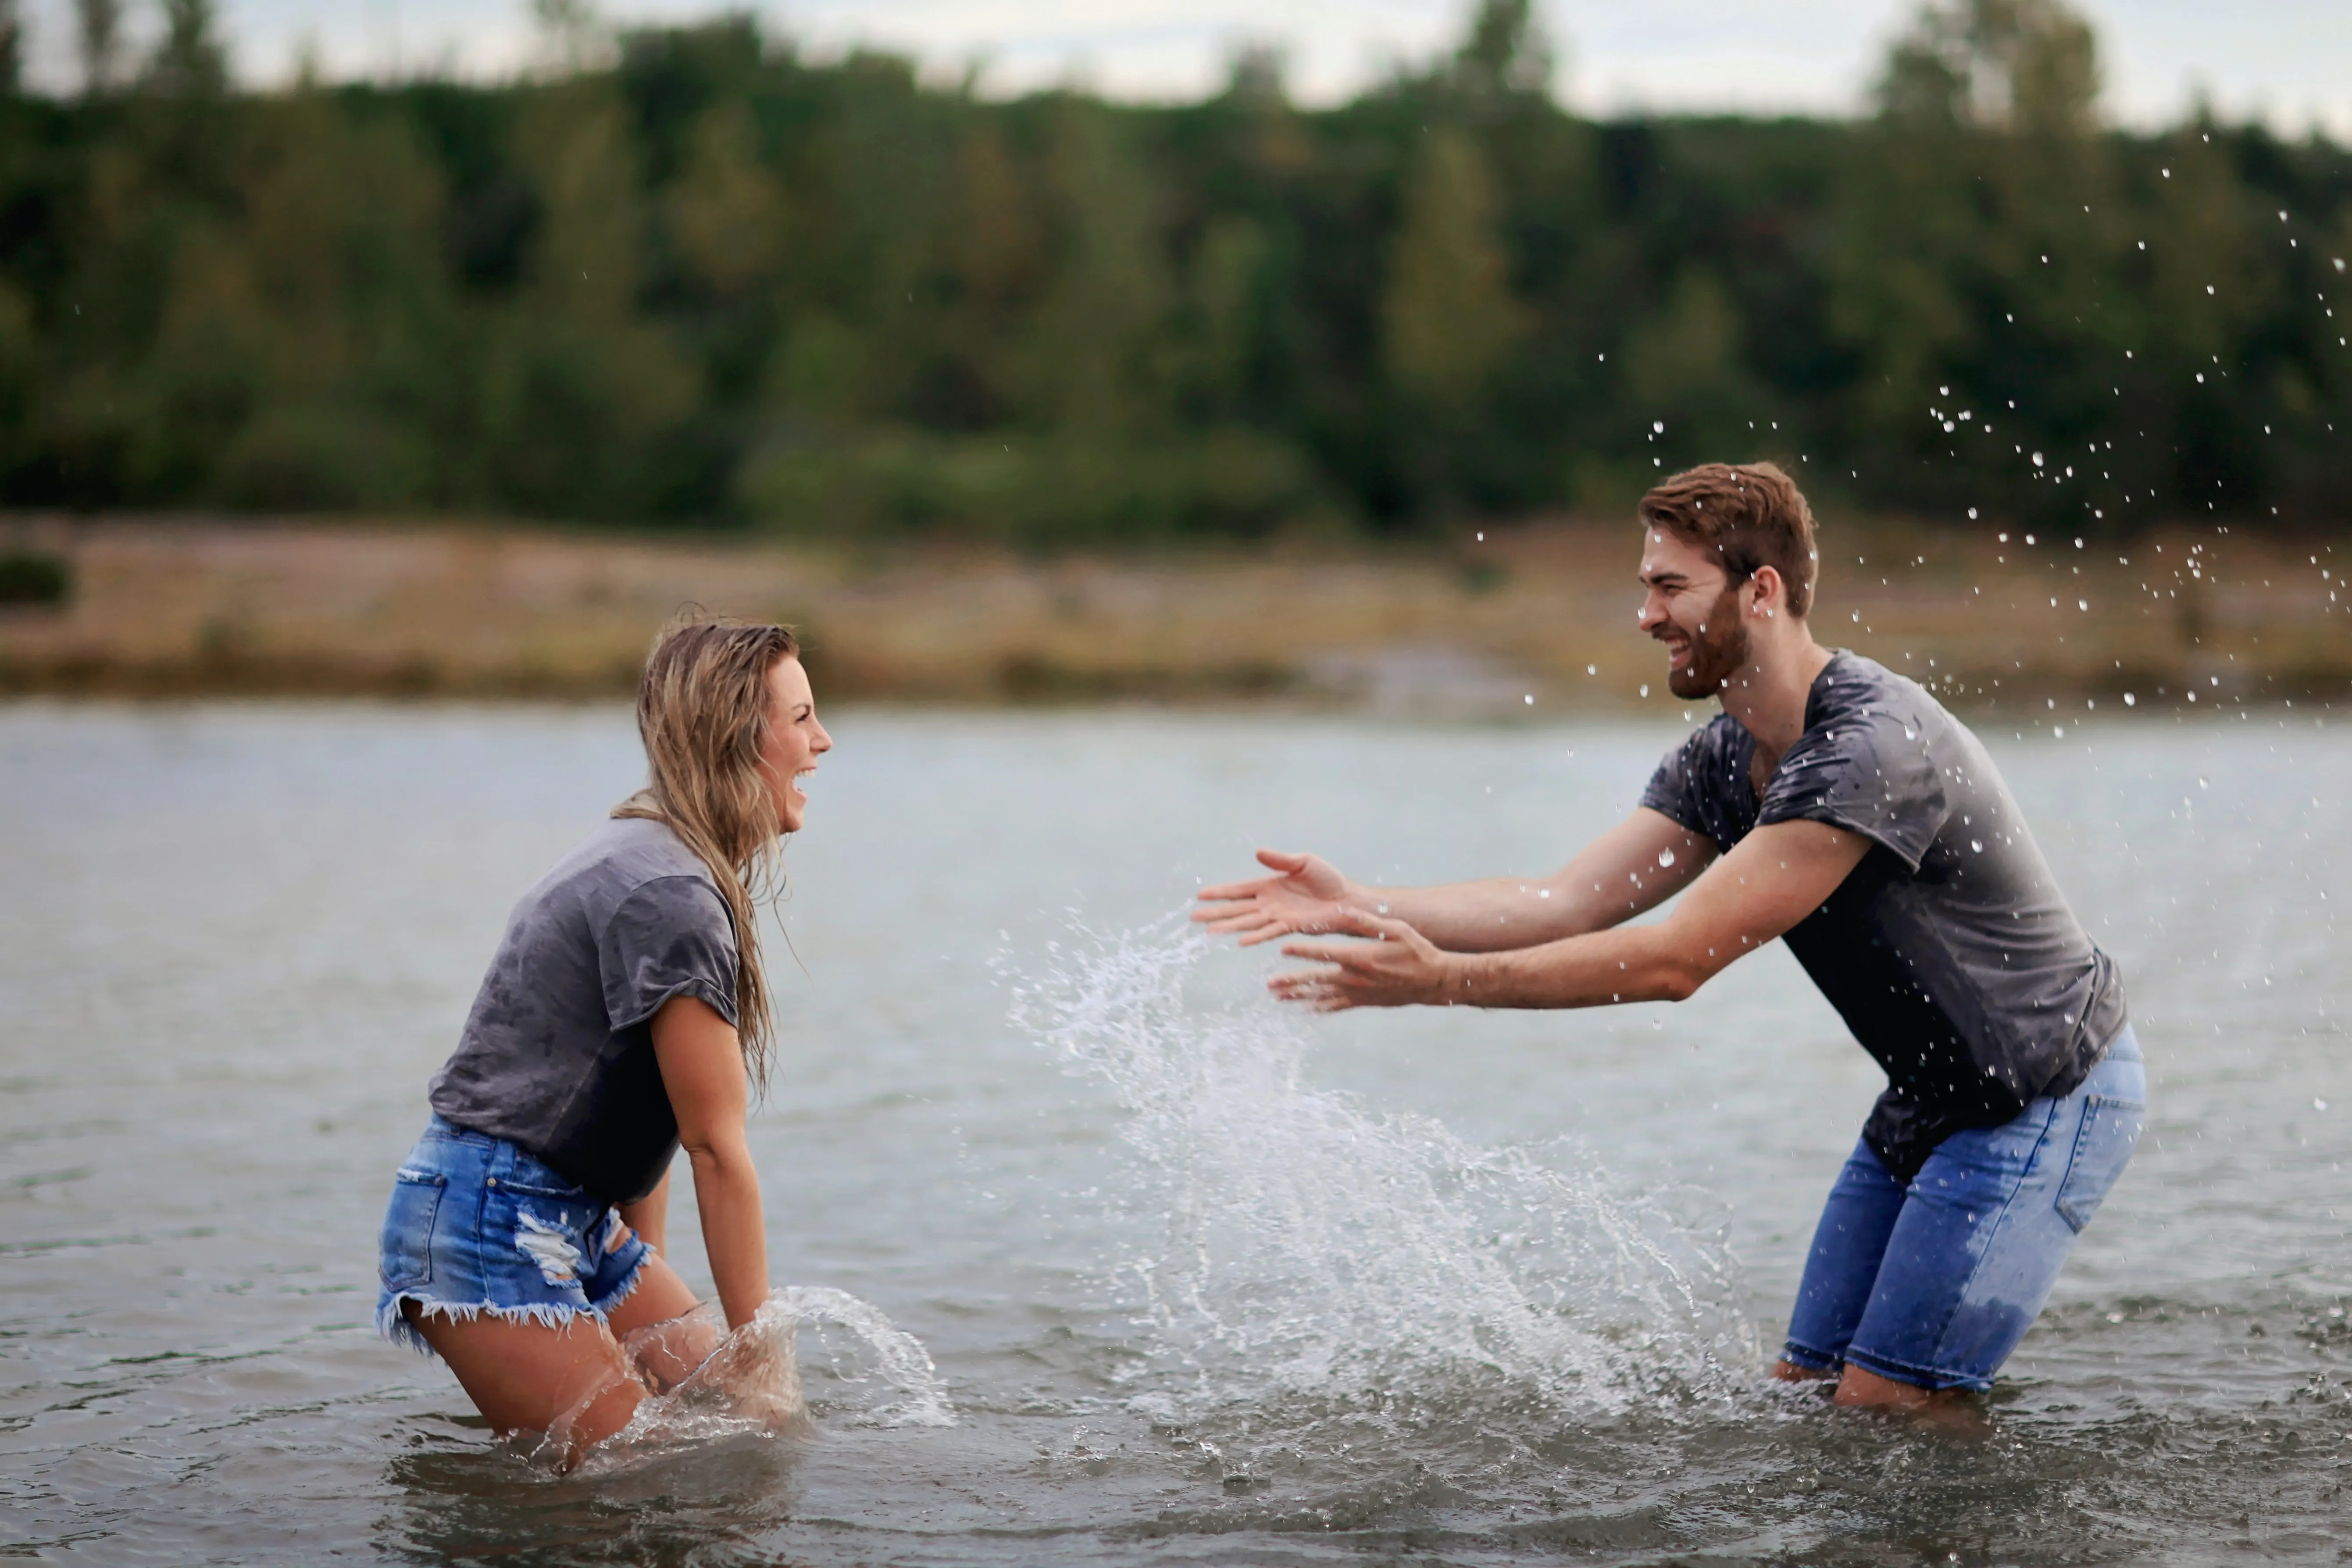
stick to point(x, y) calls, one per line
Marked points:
point(1750, 514)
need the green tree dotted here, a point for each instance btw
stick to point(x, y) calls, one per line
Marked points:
point(1683, 368)
point(1448, 316)
point(12, 45)
point(98, 33)
point(727, 209)
point(582, 393)
point(1505, 52)
point(189, 60)
point(2028, 66)
point(1093, 354)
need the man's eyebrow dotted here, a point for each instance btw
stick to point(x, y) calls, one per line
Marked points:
point(1663, 574)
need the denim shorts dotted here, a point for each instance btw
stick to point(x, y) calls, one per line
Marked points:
point(1933, 1284)
point(477, 1225)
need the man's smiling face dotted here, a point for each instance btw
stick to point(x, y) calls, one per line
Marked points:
point(1692, 606)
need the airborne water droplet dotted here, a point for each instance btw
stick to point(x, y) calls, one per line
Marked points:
point(1976, 844)
point(1665, 857)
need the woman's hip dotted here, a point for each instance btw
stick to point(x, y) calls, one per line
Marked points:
point(475, 1224)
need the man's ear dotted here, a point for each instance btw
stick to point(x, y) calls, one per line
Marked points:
point(1771, 591)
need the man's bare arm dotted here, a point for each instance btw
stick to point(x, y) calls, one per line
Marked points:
point(1776, 877)
point(1633, 867)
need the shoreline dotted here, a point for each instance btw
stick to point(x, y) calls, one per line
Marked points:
point(213, 607)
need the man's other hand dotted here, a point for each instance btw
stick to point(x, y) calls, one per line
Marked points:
point(1306, 894)
point(1394, 967)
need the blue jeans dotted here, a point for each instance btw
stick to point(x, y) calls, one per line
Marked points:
point(1934, 1283)
point(478, 1225)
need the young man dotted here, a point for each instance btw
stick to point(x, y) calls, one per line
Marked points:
point(1836, 804)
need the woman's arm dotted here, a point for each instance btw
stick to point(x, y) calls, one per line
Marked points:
point(702, 1067)
point(649, 1215)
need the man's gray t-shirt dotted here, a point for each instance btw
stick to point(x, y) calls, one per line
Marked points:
point(557, 1056)
point(1948, 951)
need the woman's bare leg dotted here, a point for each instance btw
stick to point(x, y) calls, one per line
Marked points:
point(526, 1376)
point(652, 1329)
point(531, 1376)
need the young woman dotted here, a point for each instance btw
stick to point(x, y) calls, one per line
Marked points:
point(625, 1014)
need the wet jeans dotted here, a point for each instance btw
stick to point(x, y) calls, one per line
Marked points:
point(1934, 1283)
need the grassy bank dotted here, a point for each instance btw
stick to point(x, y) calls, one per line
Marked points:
point(198, 606)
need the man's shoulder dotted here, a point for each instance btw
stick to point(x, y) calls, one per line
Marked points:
point(1857, 693)
point(1719, 735)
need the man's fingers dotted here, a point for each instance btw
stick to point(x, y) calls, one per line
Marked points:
point(1340, 956)
point(1235, 892)
point(1282, 861)
point(1300, 985)
point(1318, 992)
point(1353, 922)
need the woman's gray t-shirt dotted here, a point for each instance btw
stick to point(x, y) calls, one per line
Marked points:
point(1948, 951)
point(557, 1056)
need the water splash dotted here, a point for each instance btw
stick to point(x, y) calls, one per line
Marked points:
point(715, 1384)
point(867, 1371)
point(1294, 1247)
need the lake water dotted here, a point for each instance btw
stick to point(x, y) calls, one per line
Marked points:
point(1199, 1282)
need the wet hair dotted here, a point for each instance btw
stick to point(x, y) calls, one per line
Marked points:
point(1750, 514)
point(702, 712)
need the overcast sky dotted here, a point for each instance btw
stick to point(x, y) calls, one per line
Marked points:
point(2287, 60)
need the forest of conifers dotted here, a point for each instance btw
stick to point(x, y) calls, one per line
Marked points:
point(697, 278)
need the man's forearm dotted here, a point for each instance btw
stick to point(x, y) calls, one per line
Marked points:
point(1494, 916)
point(1636, 965)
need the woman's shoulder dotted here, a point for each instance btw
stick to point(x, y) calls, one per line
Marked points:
point(621, 858)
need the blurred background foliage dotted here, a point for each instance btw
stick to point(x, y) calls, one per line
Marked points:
point(689, 276)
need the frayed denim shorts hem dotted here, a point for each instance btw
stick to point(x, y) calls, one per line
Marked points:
point(478, 1226)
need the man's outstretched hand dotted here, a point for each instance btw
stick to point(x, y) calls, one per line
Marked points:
point(1306, 894)
point(1394, 966)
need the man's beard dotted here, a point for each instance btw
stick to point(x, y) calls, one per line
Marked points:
point(1718, 652)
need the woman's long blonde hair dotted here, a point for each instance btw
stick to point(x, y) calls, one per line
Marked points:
point(702, 712)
